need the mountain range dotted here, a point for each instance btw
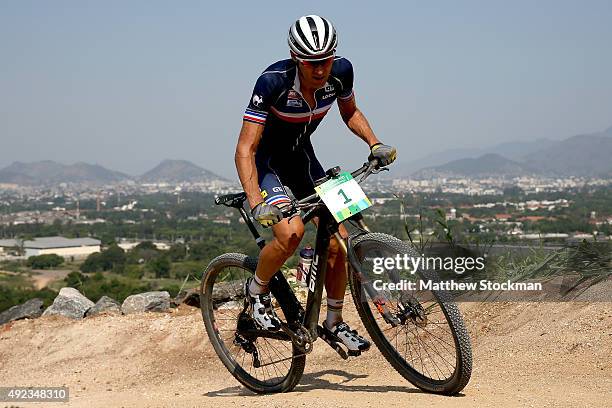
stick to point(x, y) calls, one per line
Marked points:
point(178, 171)
point(581, 155)
point(48, 172)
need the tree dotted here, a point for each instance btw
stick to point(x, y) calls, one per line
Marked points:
point(113, 258)
point(114, 255)
point(93, 263)
point(160, 266)
point(145, 245)
point(45, 261)
point(177, 252)
point(75, 280)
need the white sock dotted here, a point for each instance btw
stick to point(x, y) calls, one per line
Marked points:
point(334, 312)
point(258, 286)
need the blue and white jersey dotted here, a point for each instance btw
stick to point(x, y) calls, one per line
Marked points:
point(278, 105)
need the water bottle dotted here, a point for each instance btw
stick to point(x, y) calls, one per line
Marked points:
point(304, 263)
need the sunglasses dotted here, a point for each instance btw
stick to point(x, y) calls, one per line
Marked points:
point(310, 63)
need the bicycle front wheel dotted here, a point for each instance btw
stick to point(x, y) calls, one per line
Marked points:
point(427, 343)
point(262, 363)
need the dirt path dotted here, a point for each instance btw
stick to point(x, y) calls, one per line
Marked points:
point(42, 278)
point(525, 355)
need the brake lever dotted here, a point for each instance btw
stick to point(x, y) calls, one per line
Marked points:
point(376, 171)
point(370, 170)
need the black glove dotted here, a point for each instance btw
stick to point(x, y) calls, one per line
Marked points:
point(385, 154)
point(266, 214)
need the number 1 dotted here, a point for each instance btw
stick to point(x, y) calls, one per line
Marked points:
point(343, 194)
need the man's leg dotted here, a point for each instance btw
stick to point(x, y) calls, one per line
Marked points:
point(287, 236)
point(335, 280)
point(335, 286)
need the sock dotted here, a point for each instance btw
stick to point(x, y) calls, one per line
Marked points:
point(334, 312)
point(258, 286)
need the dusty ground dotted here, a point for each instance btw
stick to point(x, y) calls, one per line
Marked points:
point(525, 355)
point(42, 278)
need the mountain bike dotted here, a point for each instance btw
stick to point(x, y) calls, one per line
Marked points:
point(420, 332)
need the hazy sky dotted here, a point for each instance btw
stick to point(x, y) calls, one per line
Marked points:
point(128, 83)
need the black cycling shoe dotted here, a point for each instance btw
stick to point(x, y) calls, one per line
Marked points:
point(261, 310)
point(342, 333)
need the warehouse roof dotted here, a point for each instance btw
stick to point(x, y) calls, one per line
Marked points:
point(60, 242)
point(8, 242)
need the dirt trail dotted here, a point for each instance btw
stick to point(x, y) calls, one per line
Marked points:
point(42, 278)
point(525, 355)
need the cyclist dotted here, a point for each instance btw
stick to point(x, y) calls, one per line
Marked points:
point(274, 150)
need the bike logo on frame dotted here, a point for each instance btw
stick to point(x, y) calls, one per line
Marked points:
point(313, 273)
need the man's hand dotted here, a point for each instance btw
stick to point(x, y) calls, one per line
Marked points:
point(385, 154)
point(266, 214)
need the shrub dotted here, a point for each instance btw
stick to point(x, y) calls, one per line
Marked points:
point(160, 266)
point(45, 261)
point(113, 258)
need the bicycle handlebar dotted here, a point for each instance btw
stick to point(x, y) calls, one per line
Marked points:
point(366, 170)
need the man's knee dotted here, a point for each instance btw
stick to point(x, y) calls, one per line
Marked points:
point(335, 250)
point(289, 237)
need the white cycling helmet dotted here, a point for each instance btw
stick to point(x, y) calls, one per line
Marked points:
point(312, 38)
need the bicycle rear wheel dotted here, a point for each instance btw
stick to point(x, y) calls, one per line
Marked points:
point(429, 344)
point(266, 363)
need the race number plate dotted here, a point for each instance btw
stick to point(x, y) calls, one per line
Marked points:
point(343, 196)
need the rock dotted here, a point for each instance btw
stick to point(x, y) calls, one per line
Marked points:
point(232, 305)
point(70, 303)
point(104, 305)
point(146, 302)
point(189, 297)
point(225, 291)
point(30, 309)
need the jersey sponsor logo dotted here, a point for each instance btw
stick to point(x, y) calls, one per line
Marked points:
point(264, 193)
point(257, 100)
point(328, 95)
point(293, 94)
point(294, 103)
point(329, 88)
point(277, 189)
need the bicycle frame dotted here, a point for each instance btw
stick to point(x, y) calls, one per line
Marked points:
point(327, 227)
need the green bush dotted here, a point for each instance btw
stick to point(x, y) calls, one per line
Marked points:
point(171, 289)
point(113, 258)
point(100, 284)
point(145, 245)
point(182, 269)
point(14, 296)
point(160, 266)
point(45, 261)
point(177, 252)
point(133, 271)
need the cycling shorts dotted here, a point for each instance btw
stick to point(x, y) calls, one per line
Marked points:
point(297, 170)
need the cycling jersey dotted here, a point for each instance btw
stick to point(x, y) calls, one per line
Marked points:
point(285, 155)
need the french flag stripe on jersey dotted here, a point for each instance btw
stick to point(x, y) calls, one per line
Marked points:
point(278, 200)
point(251, 115)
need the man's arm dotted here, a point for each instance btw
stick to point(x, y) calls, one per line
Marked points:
point(249, 138)
point(356, 121)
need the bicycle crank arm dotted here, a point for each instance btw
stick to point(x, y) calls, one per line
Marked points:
point(301, 337)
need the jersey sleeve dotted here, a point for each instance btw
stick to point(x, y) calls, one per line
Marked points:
point(261, 100)
point(345, 75)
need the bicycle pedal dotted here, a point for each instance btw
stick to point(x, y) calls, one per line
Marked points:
point(333, 343)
